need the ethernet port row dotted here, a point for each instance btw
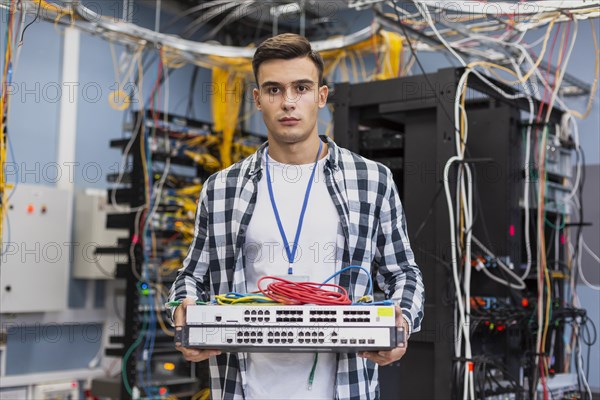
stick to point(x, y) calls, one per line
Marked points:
point(357, 312)
point(313, 340)
point(323, 312)
point(289, 312)
point(257, 319)
point(280, 340)
point(323, 319)
point(357, 319)
point(257, 312)
point(248, 340)
point(313, 334)
point(249, 334)
point(288, 319)
point(282, 334)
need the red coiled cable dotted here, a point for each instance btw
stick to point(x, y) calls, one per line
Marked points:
point(298, 293)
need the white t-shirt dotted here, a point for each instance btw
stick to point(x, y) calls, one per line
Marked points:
point(286, 375)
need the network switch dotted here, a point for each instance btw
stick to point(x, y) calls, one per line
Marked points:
point(266, 328)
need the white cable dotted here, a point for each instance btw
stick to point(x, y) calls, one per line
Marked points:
point(579, 266)
point(526, 201)
point(580, 367)
point(467, 278)
point(525, 53)
point(460, 113)
point(521, 37)
point(541, 200)
point(462, 329)
point(509, 8)
point(520, 284)
point(97, 358)
point(427, 16)
point(134, 134)
point(573, 280)
point(539, 255)
point(425, 12)
point(579, 164)
point(157, 16)
point(526, 169)
point(457, 208)
point(590, 252)
point(160, 184)
point(17, 56)
point(550, 107)
point(532, 44)
point(460, 205)
point(462, 82)
point(165, 173)
point(558, 83)
point(113, 196)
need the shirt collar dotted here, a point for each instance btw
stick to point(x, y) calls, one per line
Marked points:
point(332, 156)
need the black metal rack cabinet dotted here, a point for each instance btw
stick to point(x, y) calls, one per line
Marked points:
point(131, 193)
point(409, 126)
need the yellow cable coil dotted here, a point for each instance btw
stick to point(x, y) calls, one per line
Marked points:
point(203, 140)
point(203, 394)
point(388, 46)
point(225, 299)
point(393, 53)
point(208, 161)
point(193, 190)
point(228, 92)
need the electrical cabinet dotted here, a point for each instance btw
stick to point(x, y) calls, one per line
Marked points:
point(36, 249)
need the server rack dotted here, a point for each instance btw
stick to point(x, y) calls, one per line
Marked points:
point(185, 378)
point(408, 124)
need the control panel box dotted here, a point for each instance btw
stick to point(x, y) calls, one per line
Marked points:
point(36, 249)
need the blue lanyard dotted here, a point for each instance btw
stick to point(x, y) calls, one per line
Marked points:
point(291, 253)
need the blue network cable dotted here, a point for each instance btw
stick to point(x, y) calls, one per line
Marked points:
point(370, 288)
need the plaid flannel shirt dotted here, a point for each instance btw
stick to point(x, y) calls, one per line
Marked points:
point(372, 234)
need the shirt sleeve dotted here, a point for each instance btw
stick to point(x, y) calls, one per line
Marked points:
point(191, 278)
point(398, 275)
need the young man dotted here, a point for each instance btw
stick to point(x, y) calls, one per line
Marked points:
point(249, 213)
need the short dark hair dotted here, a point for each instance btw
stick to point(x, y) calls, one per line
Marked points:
point(286, 47)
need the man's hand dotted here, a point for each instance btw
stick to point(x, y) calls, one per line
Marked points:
point(195, 355)
point(387, 357)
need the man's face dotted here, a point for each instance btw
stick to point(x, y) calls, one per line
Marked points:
point(289, 98)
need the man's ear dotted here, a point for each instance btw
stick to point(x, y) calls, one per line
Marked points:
point(256, 95)
point(323, 93)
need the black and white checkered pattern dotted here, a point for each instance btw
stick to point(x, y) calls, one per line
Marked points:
point(372, 234)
